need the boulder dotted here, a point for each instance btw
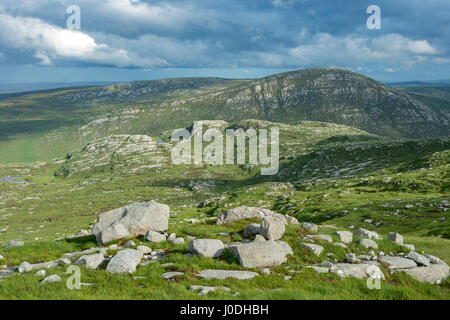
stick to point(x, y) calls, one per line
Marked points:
point(419, 259)
point(125, 262)
point(314, 248)
point(252, 229)
point(267, 254)
point(131, 221)
point(367, 234)
point(154, 236)
point(322, 237)
point(395, 237)
point(210, 248)
point(25, 267)
point(344, 236)
point(241, 213)
point(92, 261)
point(177, 240)
point(171, 275)
point(225, 274)
point(40, 273)
point(144, 249)
point(435, 273)
point(272, 228)
point(397, 262)
point(310, 226)
point(367, 243)
point(291, 220)
point(259, 238)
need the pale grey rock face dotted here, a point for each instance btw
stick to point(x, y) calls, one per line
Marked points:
point(131, 221)
point(367, 234)
point(291, 220)
point(92, 261)
point(225, 274)
point(395, 237)
point(244, 212)
point(125, 262)
point(320, 269)
point(367, 243)
point(419, 259)
point(397, 262)
point(314, 248)
point(272, 228)
point(285, 247)
point(268, 254)
point(359, 271)
point(310, 226)
point(435, 273)
point(210, 248)
point(171, 275)
point(130, 244)
point(51, 279)
point(344, 236)
point(14, 243)
point(252, 229)
point(203, 290)
point(25, 267)
point(155, 237)
point(433, 259)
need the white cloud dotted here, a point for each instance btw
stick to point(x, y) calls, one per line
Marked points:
point(50, 43)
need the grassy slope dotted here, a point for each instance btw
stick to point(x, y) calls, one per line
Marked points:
point(326, 169)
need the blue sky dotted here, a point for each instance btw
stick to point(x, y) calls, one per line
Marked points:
point(124, 40)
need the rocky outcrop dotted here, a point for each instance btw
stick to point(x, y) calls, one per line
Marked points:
point(267, 254)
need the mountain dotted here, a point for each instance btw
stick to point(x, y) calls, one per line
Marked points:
point(26, 87)
point(40, 126)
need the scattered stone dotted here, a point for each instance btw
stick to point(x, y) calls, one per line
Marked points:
point(131, 221)
point(154, 236)
point(433, 259)
point(40, 273)
point(252, 229)
point(144, 249)
point(211, 248)
point(64, 262)
point(351, 258)
point(224, 274)
point(14, 243)
point(397, 262)
point(359, 271)
point(395, 237)
point(409, 206)
point(265, 271)
point(125, 262)
point(340, 244)
point(322, 237)
point(92, 261)
point(272, 228)
point(52, 279)
point(367, 243)
point(25, 267)
point(268, 254)
point(291, 220)
point(130, 244)
point(320, 269)
point(171, 275)
point(310, 226)
point(367, 234)
point(326, 264)
point(259, 238)
point(177, 241)
point(419, 259)
point(314, 248)
point(203, 290)
point(344, 236)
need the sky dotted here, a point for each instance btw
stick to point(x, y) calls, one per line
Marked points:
point(125, 40)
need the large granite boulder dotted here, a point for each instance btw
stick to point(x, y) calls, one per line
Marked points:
point(125, 262)
point(267, 254)
point(131, 221)
point(210, 248)
point(272, 228)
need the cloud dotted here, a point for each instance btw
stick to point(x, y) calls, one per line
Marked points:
point(49, 42)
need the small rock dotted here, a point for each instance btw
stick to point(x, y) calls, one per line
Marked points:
point(211, 248)
point(155, 237)
point(130, 244)
point(272, 228)
point(25, 267)
point(52, 279)
point(92, 261)
point(259, 238)
point(171, 275)
point(144, 249)
point(314, 248)
point(367, 243)
point(14, 243)
point(252, 229)
point(310, 226)
point(40, 273)
point(203, 290)
point(395, 237)
point(224, 274)
point(419, 259)
point(177, 241)
point(410, 247)
point(367, 234)
point(125, 262)
point(345, 236)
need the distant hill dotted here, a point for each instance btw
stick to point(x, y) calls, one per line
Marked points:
point(26, 87)
point(39, 126)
